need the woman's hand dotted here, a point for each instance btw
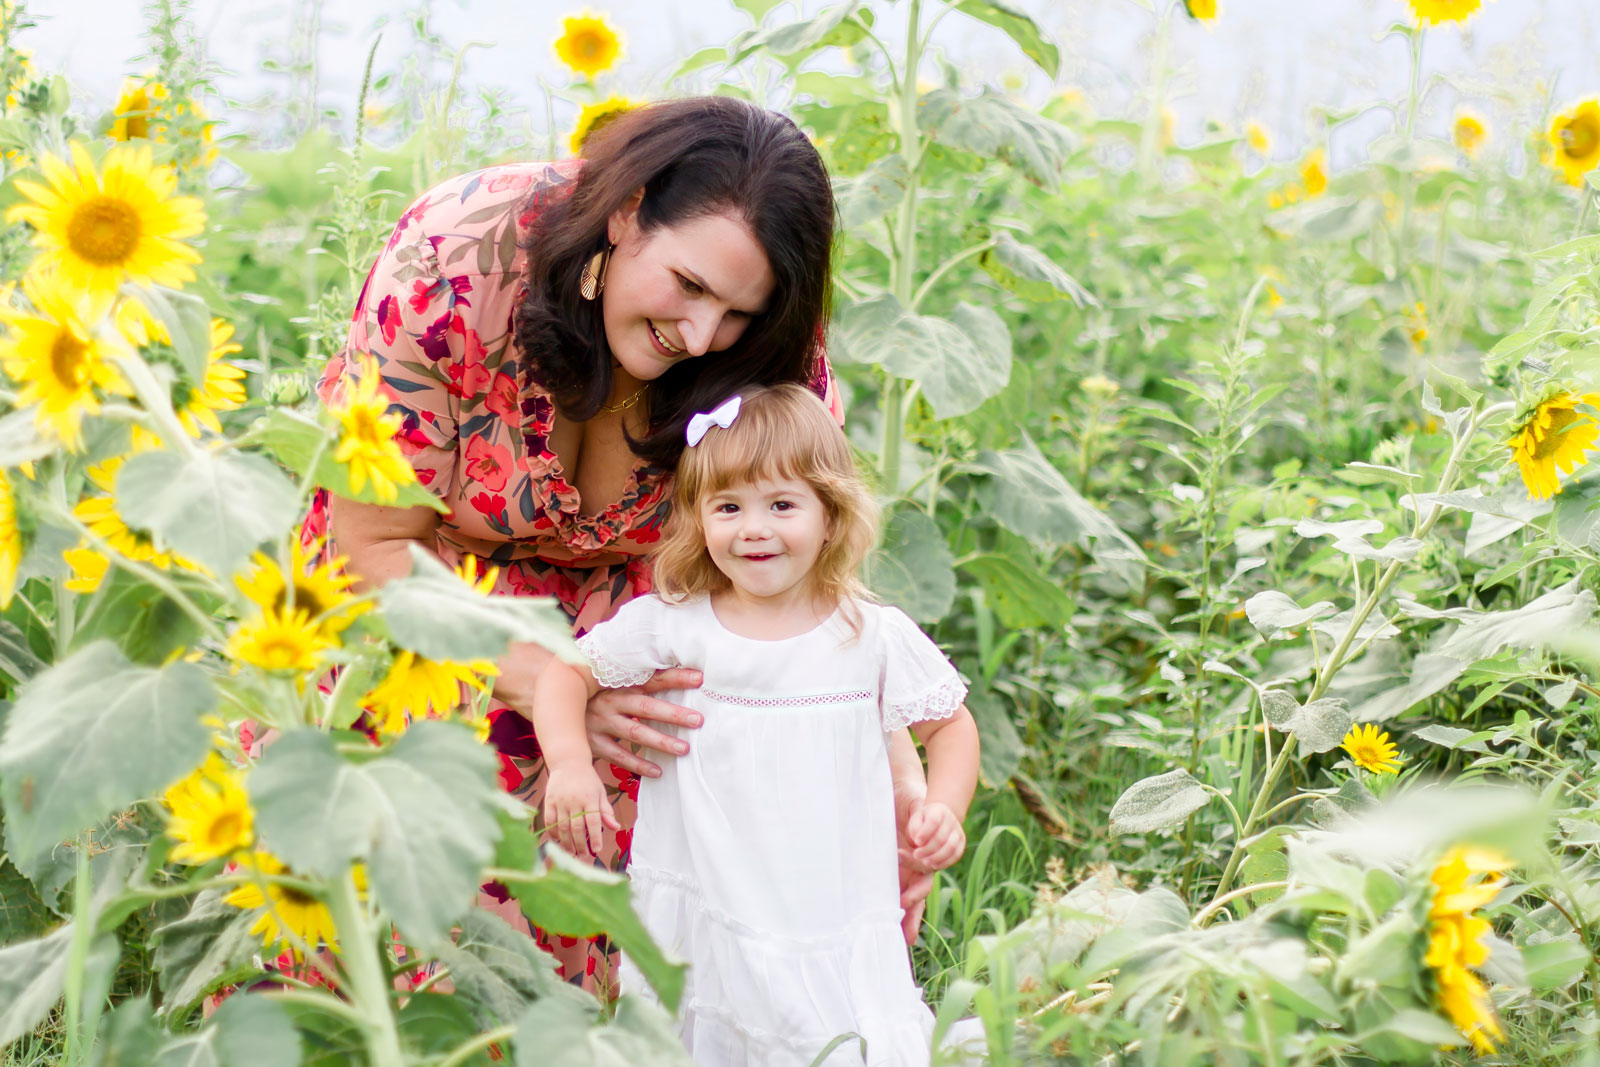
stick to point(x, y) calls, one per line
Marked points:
point(620, 715)
point(916, 880)
point(576, 807)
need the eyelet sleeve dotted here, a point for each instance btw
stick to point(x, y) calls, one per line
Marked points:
point(919, 683)
point(630, 647)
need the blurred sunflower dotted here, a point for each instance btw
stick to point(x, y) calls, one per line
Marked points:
point(415, 685)
point(1556, 435)
point(1313, 173)
point(55, 354)
point(468, 572)
point(134, 117)
point(1574, 141)
point(1469, 132)
point(10, 542)
point(322, 591)
point(98, 229)
point(1371, 750)
point(1464, 882)
point(281, 641)
point(594, 116)
point(100, 515)
point(222, 390)
point(211, 816)
point(1255, 135)
point(88, 568)
point(292, 917)
point(587, 44)
point(367, 443)
point(1437, 11)
point(1201, 10)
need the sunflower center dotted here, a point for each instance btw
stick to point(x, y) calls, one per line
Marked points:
point(225, 829)
point(1580, 138)
point(1560, 419)
point(104, 230)
point(305, 599)
point(290, 895)
point(588, 45)
point(283, 650)
point(66, 359)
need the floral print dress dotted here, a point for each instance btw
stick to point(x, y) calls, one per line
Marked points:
point(437, 313)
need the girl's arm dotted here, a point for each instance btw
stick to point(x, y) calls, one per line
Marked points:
point(934, 829)
point(574, 795)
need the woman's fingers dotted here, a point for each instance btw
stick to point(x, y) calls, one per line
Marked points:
point(673, 678)
point(607, 748)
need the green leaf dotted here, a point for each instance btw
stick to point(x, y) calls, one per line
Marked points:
point(434, 613)
point(992, 126)
point(912, 568)
point(700, 60)
point(1272, 612)
point(1019, 27)
point(23, 913)
point(1157, 802)
point(1000, 749)
point(188, 322)
point(214, 508)
point(435, 1023)
point(877, 191)
point(249, 1030)
point(1022, 598)
point(1554, 964)
point(421, 815)
point(831, 26)
point(31, 973)
point(1030, 273)
point(564, 1033)
point(20, 439)
point(1421, 1026)
point(196, 954)
point(129, 1037)
point(1560, 611)
point(65, 755)
point(572, 898)
point(958, 362)
point(294, 438)
point(1319, 726)
point(498, 968)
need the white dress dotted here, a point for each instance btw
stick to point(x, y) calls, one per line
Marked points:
point(766, 856)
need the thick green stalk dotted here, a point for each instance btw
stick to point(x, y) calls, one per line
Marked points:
point(77, 1044)
point(1150, 136)
point(366, 985)
point(903, 268)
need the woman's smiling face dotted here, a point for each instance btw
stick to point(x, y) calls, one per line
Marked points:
point(680, 291)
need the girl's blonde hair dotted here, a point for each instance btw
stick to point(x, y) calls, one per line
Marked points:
point(781, 432)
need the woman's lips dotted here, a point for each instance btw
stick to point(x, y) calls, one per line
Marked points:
point(661, 343)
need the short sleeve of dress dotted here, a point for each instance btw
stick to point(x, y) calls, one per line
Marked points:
point(406, 321)
point(630, 646)
point(919, 683)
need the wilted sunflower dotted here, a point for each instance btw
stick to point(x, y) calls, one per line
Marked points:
point(593, 117)
point(1575, 141)
point(415, 685)
point(367, 444)
point(211, 816)
point(56, 355)
point(288, 910)
point(136, 110)
point(10, 542)
point(1437, 11)
point(1464, 882)
point(1371, 750)
point(1556, 435)
point(323, 591)
point(98, 229)
point(587, 44)
point(222, 390)
point(1469, 132)
point(281, 641)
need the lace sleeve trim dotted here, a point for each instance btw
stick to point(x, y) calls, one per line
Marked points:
point(940, 702)
point(607, 672)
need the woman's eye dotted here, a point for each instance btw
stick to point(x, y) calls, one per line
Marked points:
point(689, 287)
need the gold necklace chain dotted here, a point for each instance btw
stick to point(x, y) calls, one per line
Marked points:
point(610, 409)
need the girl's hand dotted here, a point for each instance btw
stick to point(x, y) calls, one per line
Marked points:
point(935, 835)
point(576, 807)
point(617, 715)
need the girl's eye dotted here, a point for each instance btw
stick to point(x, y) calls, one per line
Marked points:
point(782, 505)
point(726, 509)
point(689, 287)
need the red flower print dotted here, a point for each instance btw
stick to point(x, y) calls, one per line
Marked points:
point(493, 508)
point(422, 292)
point(502, 398)
point(487, 464)
point(645, 535)
point(470, 375)
point(388, 318)
point(627, 781)
point(426, 475)
point(510, 777)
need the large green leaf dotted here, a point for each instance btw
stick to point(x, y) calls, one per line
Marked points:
point(991, 125)
point(878, 190)
point(573, 898)
point(188, 323)
point(1157, 802)
point(199, 952)
point(434, 613)
point(421, 815)
point(249, 1030)
point(91, 735)
point(23, 913)
point(215, 508)
point(958, 362)
point(21, 440)
point(30, 982)
point(565, 1033)
point(835, 25)
point(295, 439)
point(1001, 748)
point(912, 568)
point(1028, 272)
point(1019, 27)
point(498, 968)
point(1021, 596)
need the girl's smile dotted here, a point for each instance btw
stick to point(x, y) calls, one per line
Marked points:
point(765, 537)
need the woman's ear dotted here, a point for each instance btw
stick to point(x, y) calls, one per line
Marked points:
point(623, 225)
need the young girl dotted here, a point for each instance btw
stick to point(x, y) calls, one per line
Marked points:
point(766, 857)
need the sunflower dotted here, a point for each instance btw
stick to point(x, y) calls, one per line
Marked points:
point(138, 326)
point(281, 641)
point(1256, 136)
point(10, 542)
point(1455, 940)
point(322, 591)
point(222, 390)
point(1437, 11)
point(587, 45)
point(137, 109)
point(468, 572)
point(1555, 435)
point(100, 515)
point(367, 445)
point(1370, 749)
point(1469, 132)
point(1201, 10)
point(415, 685)
point(593, 117)
point(57, 357)
point(1313, 173)
point(292, 917)
point(101, 230)
point(88, 568)
point(1575, 141)
point(211, 816)
point(1417, 324)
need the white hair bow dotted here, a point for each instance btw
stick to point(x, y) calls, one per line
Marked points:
point(721, 415)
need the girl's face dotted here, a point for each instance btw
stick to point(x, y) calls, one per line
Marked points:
point(765, 537)
point(681, 291)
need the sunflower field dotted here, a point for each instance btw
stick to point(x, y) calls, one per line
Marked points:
point(1253, 497)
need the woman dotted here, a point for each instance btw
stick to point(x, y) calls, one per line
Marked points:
point(547, 330)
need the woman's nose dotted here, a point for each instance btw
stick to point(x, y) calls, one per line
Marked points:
point(697, 331)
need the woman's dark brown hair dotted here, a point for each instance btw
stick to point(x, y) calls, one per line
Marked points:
point(693, 158)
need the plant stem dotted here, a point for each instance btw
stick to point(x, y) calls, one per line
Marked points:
point(903, 266)
point(78, 958)
point(464, 1051)
point(369, 992)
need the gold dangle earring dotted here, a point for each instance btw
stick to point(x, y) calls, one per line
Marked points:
point(593, 279)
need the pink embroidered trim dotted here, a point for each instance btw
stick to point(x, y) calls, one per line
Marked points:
point(788, 702)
